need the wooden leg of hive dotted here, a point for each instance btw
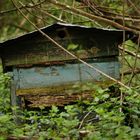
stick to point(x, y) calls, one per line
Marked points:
point(14, 103)
point(13, 94)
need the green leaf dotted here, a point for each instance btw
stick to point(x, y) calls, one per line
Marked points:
point(55, 109)
point(72, 46)
point(96, 99)
point(105, 96)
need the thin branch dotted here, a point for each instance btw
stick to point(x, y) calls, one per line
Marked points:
point(34, 15)
point(128, 72)
point(135, 8)
point(22, 7)
point(135, 62)
point(103, 10)
point(130, 53)
point(81, 123)
point(65, 50)
point(52, 16)
point(133, 27)
point(123, 58)
point(19, 27)
point(21, 24)
point(90, 16)
point(128, 19)
point(92, 6)
point(43, 12)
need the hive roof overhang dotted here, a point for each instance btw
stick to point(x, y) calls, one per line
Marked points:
point(128, 35)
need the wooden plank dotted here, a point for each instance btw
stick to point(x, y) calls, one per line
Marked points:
point(59, 95)
point(61, 100)
point(68, 73)
point(44, 51)
point(61, 84)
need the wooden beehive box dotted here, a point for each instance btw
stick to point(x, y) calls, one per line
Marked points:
point(45, 75)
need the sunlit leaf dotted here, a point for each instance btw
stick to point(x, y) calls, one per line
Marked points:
point(72, 46)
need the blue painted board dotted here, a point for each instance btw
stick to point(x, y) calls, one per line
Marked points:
point(37, 77)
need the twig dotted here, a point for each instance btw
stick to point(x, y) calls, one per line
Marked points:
point(136, 58)
point(121, 18)
point(136, 71)
point(44, 12)
point(21, 24)
point(123, 59)
point(110, 14)
point(58, 45)
point(133, 27)
point(19, 27)
point(92, 6)
point(129, 52)
point(81, 123)
point(135, 8)
point(106, 10)
point(22, 7)
point(52, 16)
point(29, 12)
point(91, 16)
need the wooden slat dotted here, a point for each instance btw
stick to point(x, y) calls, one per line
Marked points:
point(68, 73)
point(44, 51)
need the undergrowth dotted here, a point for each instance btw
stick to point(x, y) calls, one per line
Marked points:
point(105, 117)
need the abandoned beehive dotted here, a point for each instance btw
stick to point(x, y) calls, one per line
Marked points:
point(45, 75)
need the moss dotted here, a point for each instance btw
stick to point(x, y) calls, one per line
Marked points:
point(61, 89)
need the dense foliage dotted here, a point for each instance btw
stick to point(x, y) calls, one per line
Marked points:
point(103, 117)
point(114, 112)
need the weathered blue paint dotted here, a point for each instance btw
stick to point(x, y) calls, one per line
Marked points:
point(36, 77)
